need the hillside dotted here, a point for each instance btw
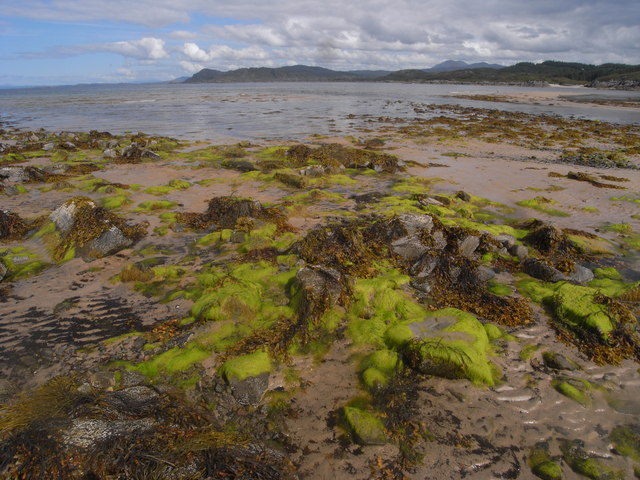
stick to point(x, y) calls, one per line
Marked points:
point(608, 75)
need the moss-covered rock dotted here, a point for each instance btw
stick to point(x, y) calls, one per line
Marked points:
point(626, 441)
point(542, 465)
point(365, 426)
point(575, 389)
point(245, 366)
point(450, 343)
point(584, 464)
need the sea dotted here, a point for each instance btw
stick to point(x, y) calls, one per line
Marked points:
point(288, 111)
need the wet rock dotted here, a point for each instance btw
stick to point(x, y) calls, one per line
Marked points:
point(250, 390)
point(131, 378)
point(248, 376)
point(47, 147)
point(422, 285)
point(410, 248)
point(464, 196)
point(484, 274)
point(320, 288)
point(239, 165)
point(507, 241)
point(151, 155)
point(415, 223)
point(468, 246)
point(557, 361)
point(87, 433)
point(543, 271)
point(423, 267)
point(68, 146)
point(3, 270)
point(109, 153)
point(587, 464)
point(22, 174)
point(520, 251)
point(139, 399)
point(366, 427)
point(110, 241)
point(581, 275)
point(314, 171)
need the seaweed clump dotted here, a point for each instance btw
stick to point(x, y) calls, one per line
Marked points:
point(231, 212)
point(12, 226)
point(81, 226)
point(134, 432)
point(334, 155)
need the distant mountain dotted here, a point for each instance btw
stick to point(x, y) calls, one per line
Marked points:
point(610, 74)
point(453, 65)
point(296, 73)
point(525, 72)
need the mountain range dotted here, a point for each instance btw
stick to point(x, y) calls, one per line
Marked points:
point(610, 74)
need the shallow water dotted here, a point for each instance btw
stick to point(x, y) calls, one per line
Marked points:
point(258, 110)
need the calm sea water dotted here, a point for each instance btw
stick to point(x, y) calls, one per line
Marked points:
point(257, 110)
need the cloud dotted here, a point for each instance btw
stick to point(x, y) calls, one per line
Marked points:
point(376, 34)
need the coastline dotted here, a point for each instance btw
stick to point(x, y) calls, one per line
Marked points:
point(82, 318)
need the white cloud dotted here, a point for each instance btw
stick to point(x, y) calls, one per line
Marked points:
point(147, 48)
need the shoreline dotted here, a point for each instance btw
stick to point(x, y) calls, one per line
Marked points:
point(157, 329)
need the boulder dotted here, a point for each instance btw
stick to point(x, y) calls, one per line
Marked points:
point(248, 376)
point(109, 153)
point(581, 275)
point(410, 248)
point(519, 251)
point(468, 246)
point(110, 241)
point(366, 427)
point(557, 361)
point(90, 432)
point(543, 271)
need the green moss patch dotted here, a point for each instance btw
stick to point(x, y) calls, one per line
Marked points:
point(245, 366)
point(367, 428)
point(543, 204)
point(626, 440)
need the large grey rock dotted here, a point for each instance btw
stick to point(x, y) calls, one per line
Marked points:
point(468, 246)
point(519, 251)
point(423, 267)
point(87, 433)
point(485, 274)
point(110, 153)
point(250, 390)
point(110, 241)
point(415, 223)
point(542, 271)
point(581, 275)
point(410, 248)
point(64, 216)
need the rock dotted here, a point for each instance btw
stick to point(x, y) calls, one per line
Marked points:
point(410, 248)
point(250, 390)
point(139, 399)
point(109, 153)
point(520, 251)
point(22, 174)
point(321, 287)
point(248, 376)
point(131, 378)
point(542, 271)
point(439, 240)
point(468, 246)
point(87, 433)
point(112, 144)
point(446, 201)
point(415, 223)
point(558, 361)
point(240, 165)
point(151, 155)
point(313, 171)
point(68, 146)
point(63, 216)
point(485, 274)
point(464, 196)
point(581, 275)
point(132, 151)
point(423, 267)
point(366, 427)
point(507, 241)
point(47, 147)
point(110, 241)
point(421, 285)
point(102, 380)
point(6, 387)
point(3, 271)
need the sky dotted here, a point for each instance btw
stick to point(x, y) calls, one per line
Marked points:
point(56, 42)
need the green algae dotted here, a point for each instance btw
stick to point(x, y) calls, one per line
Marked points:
point(541, 204)
point(542, 464)
point(245, 366)
point(607, 273)
point(173, 361)
point(115, 202)
point(575, 389)
point(378, 303)
point(528, 350)
point(378, 367)
point(154, 205)
point(366, 427)
point(21, 263)
point(458, 351)
point(581, 462)
point(500, 289)
point(576, 307)
point(626, 441)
